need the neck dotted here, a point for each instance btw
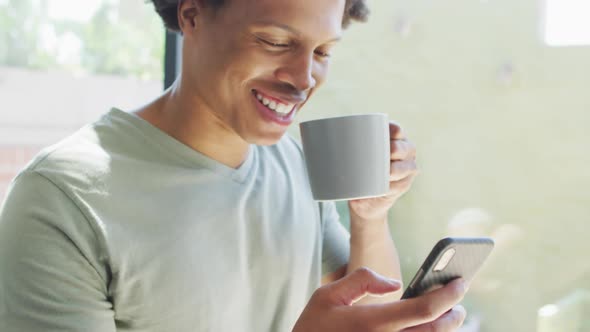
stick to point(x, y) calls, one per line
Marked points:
point(182, 115)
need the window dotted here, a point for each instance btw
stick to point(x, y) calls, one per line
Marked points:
point(567, 22)
point(64, 63)
point(501, 126)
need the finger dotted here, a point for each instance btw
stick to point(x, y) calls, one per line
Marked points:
point(359, 283)
point(401, 186)
point(401, 169)
point(395, 131)
point(420, 310)
point(402, 149)
point(449, 321)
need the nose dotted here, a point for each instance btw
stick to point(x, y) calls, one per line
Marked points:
point(298, 72)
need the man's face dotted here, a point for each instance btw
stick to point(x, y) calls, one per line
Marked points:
point(254, 63)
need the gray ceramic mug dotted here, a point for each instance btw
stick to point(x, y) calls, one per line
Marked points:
point(347, 157)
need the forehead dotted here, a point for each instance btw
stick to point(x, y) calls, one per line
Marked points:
point(320, 18)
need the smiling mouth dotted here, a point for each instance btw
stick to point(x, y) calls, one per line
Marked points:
point(272, 104)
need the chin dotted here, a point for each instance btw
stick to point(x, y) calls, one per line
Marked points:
point(267, 140)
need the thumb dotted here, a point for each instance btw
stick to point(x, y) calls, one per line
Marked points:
point(361, 282)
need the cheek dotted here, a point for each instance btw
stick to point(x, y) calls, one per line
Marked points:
point(321, 73)
point(251, 65)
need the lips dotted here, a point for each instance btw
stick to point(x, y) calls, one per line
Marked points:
point(274, 109)
point(274, 104)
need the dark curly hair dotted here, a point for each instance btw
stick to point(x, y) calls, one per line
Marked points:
point(355, 10)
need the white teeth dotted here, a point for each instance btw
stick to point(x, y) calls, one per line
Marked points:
point(285, 109)
point(279, 108)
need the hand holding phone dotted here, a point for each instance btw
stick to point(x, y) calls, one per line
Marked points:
point(331, 307)
point(451, 258)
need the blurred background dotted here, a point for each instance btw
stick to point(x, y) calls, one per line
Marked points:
point(495, 94)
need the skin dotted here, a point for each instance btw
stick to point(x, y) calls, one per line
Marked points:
point(282, 49)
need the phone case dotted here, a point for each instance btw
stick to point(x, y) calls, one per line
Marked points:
point(470, 254)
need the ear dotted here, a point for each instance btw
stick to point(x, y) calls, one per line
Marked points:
point(188, 15)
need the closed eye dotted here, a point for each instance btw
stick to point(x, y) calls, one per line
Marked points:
point(322, 54)
point(273, 44)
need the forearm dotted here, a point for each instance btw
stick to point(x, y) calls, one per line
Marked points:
point(371, 246)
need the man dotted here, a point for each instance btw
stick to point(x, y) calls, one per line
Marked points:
point(193, 213)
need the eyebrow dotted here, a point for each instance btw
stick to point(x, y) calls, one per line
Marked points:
point(289, 29)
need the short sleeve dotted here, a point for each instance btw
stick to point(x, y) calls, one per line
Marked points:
point(336, 239)
point(51, 274)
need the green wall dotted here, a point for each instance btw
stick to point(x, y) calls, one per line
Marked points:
point(502, 125)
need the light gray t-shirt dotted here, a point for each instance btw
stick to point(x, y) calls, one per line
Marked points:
point(122, 228)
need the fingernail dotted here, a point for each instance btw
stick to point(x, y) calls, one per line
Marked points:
point(464, 286)
point(461, 309)
point(394, 282)
point(460, 284)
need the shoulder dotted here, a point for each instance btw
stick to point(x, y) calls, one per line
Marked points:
point(77, 158)
point(84, 161)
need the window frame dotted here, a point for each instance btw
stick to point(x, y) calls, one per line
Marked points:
point(172, 57)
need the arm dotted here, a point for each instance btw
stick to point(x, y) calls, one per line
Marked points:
point(330, 308)
point(51, 276)
point(371, 244)
point(370, 247)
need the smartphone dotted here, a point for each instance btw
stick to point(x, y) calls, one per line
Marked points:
point(451, 258)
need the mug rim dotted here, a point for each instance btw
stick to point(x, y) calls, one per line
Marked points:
point(350, 198)
point(346, 116)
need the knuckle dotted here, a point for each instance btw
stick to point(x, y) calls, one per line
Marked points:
point(364, 272)
point(426, 310)
point(394, 167)
point(400, 165)
point(406, 167)
point(322, 294)
point(433, 327)
point(319, 294)
point(402, 147)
